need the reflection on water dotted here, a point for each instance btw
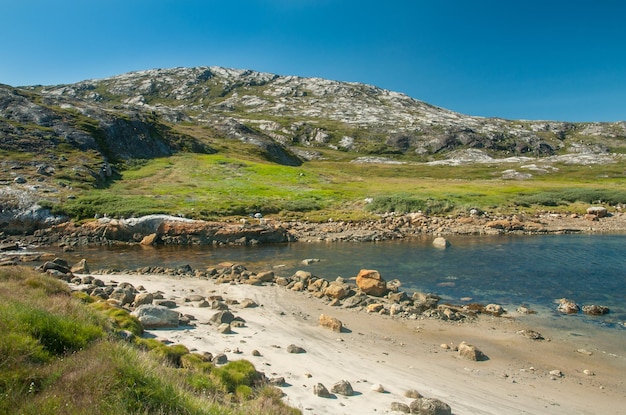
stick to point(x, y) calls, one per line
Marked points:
point(510, 270)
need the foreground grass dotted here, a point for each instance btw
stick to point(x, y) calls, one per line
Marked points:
point(59, 354)
point(236, 183)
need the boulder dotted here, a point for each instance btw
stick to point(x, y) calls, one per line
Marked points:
point(371, 283)
point(343, 387)
point(467, 351)
point(222, 317)
point(494, 309)
point(123, 295)
point(568, 306)
point(441, 242)
point(595, 310)
point(151, 239)
point(430, 406)
point(598, 211)
point(143, 298)
point(80, 267)
point(400, 407)
point(321, 391)
point(154, 316)
point(336, 291)
point(292, 348)
point(331, 323)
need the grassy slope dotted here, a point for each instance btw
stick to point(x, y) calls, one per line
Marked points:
point(59, 355)
point(235, 182)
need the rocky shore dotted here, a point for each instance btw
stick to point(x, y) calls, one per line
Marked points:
point(362, 345)
point(172, 230)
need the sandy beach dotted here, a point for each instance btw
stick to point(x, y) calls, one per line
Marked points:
point(399, 354)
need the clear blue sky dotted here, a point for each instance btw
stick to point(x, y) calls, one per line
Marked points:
point(550, 59)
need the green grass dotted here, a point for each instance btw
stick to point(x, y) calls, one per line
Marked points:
point(226, 185)
point(59, 354)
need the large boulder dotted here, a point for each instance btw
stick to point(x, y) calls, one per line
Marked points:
point(470, 352)
point(568, 306)
point(155, 316)
point(335, 290)
point(430, 406)
point(331, 323)
point(371, 283)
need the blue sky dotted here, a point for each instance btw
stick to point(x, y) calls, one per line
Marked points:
point(549, 60)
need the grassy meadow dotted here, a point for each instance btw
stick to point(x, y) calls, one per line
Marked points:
point(236, 182)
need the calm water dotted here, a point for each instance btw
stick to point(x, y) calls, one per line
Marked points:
point(509, 270)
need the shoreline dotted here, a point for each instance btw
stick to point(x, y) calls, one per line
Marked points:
point(518, 375)
point(171, 230)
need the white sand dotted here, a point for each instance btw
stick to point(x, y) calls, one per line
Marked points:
point(400, 355)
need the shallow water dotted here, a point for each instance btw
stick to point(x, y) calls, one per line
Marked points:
point(509, 270)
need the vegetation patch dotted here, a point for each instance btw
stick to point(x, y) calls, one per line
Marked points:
point(56, 357)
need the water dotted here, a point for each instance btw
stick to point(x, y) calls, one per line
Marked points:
point(509, 270)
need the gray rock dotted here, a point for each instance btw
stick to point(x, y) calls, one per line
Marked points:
point(222, 317)
point(430, 406)
point(321, 391)
point(155, 316)
point(595, 310)
point(292, 348)
point(143, 298)
point(220, 359)
point(224, 328)
point(400, 407)
point(343, 387)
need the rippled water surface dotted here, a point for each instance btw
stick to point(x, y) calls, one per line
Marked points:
point(510, 270)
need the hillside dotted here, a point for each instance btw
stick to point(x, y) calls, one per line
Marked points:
point(70, 147)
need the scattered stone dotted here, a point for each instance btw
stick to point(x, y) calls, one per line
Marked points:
point(598, 211)
point(412, 393)
point(588, 372)
point(220, 359)
point(343, 387)
point(155, 316)
point(494, 310)
point(81, 267)
point(441, 242)
point(375, 308)
point(321, 391)
point(430, 406)
point(595, 310)
point(531, 334)
point(222, 317)
point(400, 407)
point(277, 381)
point(248, 303)
point(335, 291)
point(568, 306)
point(584, 351)
point(556, 373)
point(151, 239)
point(371, 283)
point(309, 261)
point(470, 352)
point(445, 346)
point(292, 348)
point(377, 387)
point(331, 323)
point(224, 328)
point(143, 298)
point(256, 353)
point(525, 310)
point(165, 303)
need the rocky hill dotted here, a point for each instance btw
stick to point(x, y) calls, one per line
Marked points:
point(130, 116)
point(86, 130)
